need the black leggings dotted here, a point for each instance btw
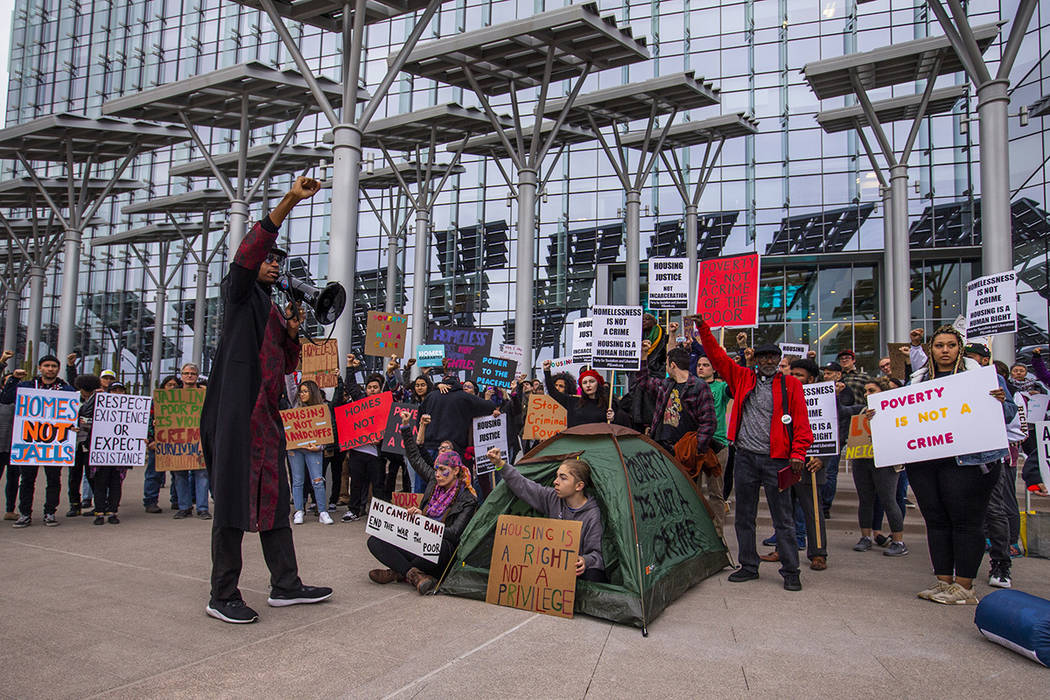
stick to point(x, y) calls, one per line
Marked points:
point(393, 557)
point(871, 482)
point(106, 486)
point(953, 500)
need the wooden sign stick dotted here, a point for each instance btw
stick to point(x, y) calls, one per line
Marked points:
point(816, 508)
point(612, 381)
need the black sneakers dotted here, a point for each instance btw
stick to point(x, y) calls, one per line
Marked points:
point(303, 595)
point(792, 582)
point(741, 575)
point(233, 611)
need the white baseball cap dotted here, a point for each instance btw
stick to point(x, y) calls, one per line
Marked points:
point(108, 373)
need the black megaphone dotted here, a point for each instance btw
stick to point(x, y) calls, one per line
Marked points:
point(327, 303)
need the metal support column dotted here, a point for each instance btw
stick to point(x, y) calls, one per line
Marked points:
point(36, 311)
point(391, 272)
point(633, 243)
point(691, 245)
point(11, 320)
point(158, 318)
point(201, 300)
point(420, 270)
point(523, 287)
point(68, 303)
point(238, 225)
point(886, 285)
point(342, 245)
point(899, 254)
point(997, 253)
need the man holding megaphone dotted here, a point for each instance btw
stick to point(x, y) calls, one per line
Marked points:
point(241, 431)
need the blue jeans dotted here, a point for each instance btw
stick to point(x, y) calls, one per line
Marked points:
point(831, 480)
point(186, 489)
point(152, 482)
point(301, 461)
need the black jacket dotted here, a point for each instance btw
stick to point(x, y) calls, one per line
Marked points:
point(460, 511)
point(579, 410)
point(451, 415)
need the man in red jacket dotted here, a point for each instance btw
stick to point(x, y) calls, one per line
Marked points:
point(770, 427)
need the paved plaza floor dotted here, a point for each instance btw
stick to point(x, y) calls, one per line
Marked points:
point(117, 611)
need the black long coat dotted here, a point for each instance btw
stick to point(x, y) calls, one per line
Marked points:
point(233, 389)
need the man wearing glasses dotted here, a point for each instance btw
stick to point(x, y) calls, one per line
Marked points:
point(241, 431)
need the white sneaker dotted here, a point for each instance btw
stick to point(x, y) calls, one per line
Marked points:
point(325, 518)
point(298, 517)
point(1000, 579)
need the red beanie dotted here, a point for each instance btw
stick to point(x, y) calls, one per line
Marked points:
point(592, 373)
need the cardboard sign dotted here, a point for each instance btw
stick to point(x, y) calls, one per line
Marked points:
point(406, 500)
point(43, 435)
point(177, 429)
point(430, 355)
point(319, 362)
point(858, 442)
point(727, 291)
point(362, 422)
point(991, 305)
point(544, 419)
point(1042, 446)
point(489, 432)
point(511, 352)
point(464, 347)
point(1037, 407)
point(617, 337)
point(582, 339)
point(823, 418)
point(944, 417)
point(392, 441)
point(495, 371)
point(669, 283)
point(416, 534)
point(385, 334)
point(799, 350)
point(119, 428)
point(533, 564)
point(898, 360)
point(307, 426)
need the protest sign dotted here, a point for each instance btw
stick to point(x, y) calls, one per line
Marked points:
point(544, 419)
point(119, 425)
point(177, 429)
point(489, 432)
point(464, 347)
point(495, 371)
point(582, 337)
point(1042, 446)
point(669, 283)
point(319, 362)
point(798, 350)
point(385, 334)
point(406, 500)
point(898, 360)
point(430, 355)
point(617, 337)
point(416, 534)
point(392, 441)
point(307, 426)
point(533, 565)
point(858, 442)
point(727, 291)
point(566, 364)
point(43, 435)
point(945, 417)
point(511, 352)
point(362, 422)
point(291, 385)
point(991, 305)
point(823, 418)
point(1021, 401)
point(1037, 407)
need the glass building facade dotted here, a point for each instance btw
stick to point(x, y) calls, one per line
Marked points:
point(808, 201)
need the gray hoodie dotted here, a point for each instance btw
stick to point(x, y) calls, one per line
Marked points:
point(545, 500)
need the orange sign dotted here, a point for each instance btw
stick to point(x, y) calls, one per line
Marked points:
point(544, 419)
point(320, 362)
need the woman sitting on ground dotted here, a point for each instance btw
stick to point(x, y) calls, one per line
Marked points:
point(448, 497)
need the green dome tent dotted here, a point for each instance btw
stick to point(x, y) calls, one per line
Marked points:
point(658, 537)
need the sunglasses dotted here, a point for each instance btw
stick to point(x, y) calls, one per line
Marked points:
point(275, 258)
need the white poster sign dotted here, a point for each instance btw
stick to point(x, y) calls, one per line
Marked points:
point(582, 336)
point(566, 364)
point(945, 417)
point(823, 418)
point(669, 283)
point(511, 352)
point(43, 435)
point(489, 432)
point(1042, 446)
point(118, 430)
point(1038, 404)
point(991, 305)
point(798, 350)
point(415, 534)
point(617, 337)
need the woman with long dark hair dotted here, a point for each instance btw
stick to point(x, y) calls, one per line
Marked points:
point(309, 459)
point(591, 405)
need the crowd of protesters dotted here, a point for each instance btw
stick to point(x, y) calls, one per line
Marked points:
point(742, 409)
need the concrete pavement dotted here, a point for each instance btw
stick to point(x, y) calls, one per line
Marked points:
point(117, 611)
